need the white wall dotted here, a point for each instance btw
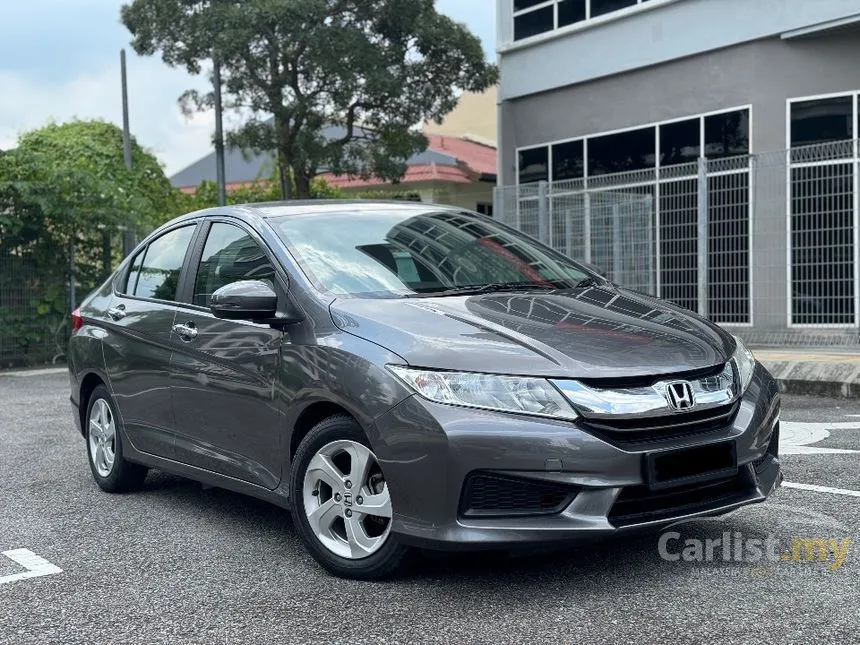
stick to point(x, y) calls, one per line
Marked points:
point(652, 33)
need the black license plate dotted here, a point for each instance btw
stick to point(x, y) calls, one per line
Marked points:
point(676, 467)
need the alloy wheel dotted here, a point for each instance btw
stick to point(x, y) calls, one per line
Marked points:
point(346, 499)
point(102, 437)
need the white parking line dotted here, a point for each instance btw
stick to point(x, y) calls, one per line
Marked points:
point(33, 373)
point(822, 489)
point(36, 566)
point(796, 438)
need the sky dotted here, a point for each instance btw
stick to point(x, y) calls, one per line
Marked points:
point(59, 60)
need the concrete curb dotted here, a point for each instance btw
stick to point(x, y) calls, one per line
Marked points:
point(838, 379)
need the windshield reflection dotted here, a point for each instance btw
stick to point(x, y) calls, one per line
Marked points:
point(397, 253)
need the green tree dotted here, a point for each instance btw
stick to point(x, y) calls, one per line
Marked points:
point(68, 183)
point(373, 68)
point(260, 190)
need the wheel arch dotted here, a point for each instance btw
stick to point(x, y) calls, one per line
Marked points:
point(89, 382)
point(312, 414)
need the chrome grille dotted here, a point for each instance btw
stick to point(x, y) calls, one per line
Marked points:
point(662, 427)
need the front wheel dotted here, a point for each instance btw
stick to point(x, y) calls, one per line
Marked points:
point(341, 503)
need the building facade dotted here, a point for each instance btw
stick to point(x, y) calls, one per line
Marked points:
point(732, 124)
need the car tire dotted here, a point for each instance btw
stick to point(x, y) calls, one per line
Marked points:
point(103, 431)
point(337, 534)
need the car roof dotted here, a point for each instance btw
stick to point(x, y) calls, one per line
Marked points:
point(309, 207)
point(267, 210)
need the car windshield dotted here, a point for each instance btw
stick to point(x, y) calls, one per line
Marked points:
point(406, 252)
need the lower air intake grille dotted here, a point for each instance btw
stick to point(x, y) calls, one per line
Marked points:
point(492, 495)
point(638, 504)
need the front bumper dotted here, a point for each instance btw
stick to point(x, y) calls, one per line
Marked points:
point(429, 452)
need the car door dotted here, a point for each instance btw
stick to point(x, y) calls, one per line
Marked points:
point(138, 345)
point(223, 371)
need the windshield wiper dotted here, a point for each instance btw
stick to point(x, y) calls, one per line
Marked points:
point(474, 289)
point(587, 282)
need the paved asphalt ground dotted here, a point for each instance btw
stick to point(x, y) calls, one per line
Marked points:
point(178, 563)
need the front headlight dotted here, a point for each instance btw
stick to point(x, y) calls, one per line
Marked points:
point(744, 363)
point(519, 394)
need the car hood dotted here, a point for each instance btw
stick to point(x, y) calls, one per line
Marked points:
point(594, 333)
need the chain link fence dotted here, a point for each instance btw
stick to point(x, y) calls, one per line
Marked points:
point(766, 245)
point(38, 293)
point(33, 313)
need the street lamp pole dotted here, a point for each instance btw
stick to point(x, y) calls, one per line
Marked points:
point(220, 178)
point(127, 235)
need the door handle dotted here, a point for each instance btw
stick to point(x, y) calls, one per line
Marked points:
point(117, 313)
point(186, 332)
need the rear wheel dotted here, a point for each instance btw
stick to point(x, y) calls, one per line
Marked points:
point(341, 502)
point(111, 471)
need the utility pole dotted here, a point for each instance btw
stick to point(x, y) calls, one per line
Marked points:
point(127, 235)
point(220, 178)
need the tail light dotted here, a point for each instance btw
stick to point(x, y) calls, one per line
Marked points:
point(77, 320)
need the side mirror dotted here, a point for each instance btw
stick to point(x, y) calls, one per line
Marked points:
point(245, 300)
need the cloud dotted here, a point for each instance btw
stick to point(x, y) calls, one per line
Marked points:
point(77, 75)
point(155, 118)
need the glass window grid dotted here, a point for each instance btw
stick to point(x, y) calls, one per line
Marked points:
point(657, 126)
point(558, 11)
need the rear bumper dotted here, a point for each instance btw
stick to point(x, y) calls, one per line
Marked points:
point(429, 453)
point(75, 394)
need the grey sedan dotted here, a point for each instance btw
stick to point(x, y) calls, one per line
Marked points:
point(406, 375)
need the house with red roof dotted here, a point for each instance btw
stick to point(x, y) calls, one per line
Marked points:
point(458, 167)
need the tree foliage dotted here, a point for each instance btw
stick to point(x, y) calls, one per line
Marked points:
point(67, 183)
point(261, 190)
point(330, 84)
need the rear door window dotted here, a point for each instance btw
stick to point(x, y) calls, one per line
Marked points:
point(155, 271)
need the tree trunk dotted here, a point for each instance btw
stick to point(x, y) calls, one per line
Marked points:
point(303, 184)
point(282, 159)
point(284, 178)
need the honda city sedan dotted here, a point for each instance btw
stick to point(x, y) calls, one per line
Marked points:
point(404, 375)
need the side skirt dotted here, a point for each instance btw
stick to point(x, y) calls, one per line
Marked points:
point(278, 497)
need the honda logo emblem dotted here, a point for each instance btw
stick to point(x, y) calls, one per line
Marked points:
point(680, 395)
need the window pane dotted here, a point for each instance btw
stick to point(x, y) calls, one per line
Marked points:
point(600, 7)
point(230, 255)
point(485, 208)
point(680, 142)
point(822, 245)
point(534, 22)
point(728, 248)
point(679, 245)
point(821, 121)
point(622, 152)
point(727, 135)
point(519, 5)
point(570, 12)
point(159, 276)
point(534, 165)
point(568, 161)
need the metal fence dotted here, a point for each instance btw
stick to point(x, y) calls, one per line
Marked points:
point(766, 245)
point(38, 292)
point(33, 313)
